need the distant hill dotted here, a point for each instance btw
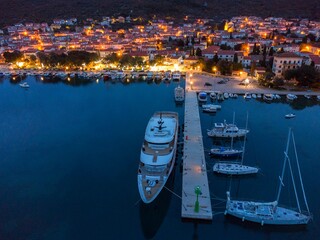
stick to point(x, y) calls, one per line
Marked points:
point(13, 11)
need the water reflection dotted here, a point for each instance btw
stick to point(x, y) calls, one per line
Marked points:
point(153, 214)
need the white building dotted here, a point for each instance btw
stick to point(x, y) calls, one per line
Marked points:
point(285, 61)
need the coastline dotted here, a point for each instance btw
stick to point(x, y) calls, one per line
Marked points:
point(233, 86)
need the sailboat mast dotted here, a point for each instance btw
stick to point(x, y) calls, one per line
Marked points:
point(245, 139)
point(294, 184)
point(284, 166)
point(232, 135)
point(298, 166)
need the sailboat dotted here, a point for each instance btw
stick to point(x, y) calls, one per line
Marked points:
point(235, 168)
point(269, 212)
point(226, 152)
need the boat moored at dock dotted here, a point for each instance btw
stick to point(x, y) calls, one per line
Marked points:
point(179, 94)
point(158, 154)
point(226, 130)
point(202, 97)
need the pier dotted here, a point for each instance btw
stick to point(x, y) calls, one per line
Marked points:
point(196, 201)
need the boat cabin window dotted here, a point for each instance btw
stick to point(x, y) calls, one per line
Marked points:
point(155, 168)
point(158, 146)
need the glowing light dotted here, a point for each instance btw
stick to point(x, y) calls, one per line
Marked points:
point(20, 64)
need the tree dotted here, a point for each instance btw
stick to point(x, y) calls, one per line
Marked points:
point(253, 67)
point(238, 47)
point(215, 58)
point(43, 58)
point(271, 51)
point(180, 43)
point(33, 58)
point(278, 81)
point(305, 75)
point(288, 32)
point(225, 47)
point(12, 57)
point(235, 58)
point(78, 58)
point(112, 58)
point(187, 41)
point(198, 52)
point(224, 67)
point(192, 40)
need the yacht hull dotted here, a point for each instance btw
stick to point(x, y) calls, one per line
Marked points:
point(150, 183)
point(234, 169)
point(281, 216)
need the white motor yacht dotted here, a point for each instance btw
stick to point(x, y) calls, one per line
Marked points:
point(226, 130)
point(24, 85)
point(158, 154)
point(179, 94)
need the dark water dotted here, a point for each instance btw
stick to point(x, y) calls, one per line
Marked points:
point(69, 157)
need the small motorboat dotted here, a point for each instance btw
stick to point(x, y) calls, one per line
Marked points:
point(291, 97)
point(307, 96)
point(277, 96)
point(290, 115)
point(210, 109)
point(24, 85)
point(213, 96)
point(247, 95)
point(202, 97)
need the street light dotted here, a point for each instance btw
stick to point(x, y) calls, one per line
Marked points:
point(246, 82)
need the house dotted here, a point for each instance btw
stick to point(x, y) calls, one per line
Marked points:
point(227, 55)
point(189, 61)
point(259, 71)
point(285, 61)
point(246, 62)
point(210, 51)
point(316, 60)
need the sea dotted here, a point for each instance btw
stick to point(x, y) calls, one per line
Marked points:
point(69, 154)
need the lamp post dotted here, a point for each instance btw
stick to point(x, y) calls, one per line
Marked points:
point(246, 82)
point(197, 191)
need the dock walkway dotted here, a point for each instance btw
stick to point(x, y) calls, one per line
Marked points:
point(194, 164)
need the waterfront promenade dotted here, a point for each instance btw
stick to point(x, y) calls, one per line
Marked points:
point(233, 85)
point(194, 164)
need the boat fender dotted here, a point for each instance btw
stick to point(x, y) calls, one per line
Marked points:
point(225, 212)
point(243, 219)
point(262, 222)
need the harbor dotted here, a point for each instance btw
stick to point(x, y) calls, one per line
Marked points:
point(70, 175)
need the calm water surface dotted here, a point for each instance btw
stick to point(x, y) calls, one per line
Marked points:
point(69, 157)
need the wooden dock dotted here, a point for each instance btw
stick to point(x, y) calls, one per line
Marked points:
point(194, 164)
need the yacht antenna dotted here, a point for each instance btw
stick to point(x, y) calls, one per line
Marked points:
point(160, 122)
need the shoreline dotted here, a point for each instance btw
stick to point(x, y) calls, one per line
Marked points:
point(233, 86)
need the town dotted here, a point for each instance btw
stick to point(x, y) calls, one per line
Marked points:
point(272, 50)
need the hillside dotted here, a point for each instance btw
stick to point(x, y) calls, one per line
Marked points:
point(13, 11)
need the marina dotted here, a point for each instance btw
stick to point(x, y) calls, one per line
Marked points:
point(91, 181)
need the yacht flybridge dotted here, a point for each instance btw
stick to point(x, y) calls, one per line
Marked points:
point(158, 154)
